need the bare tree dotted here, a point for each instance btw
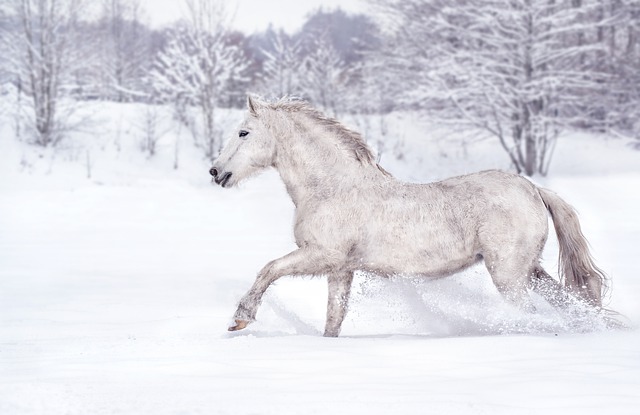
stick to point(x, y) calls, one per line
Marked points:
point(45, 60)
point(515, 69)
point(197, 67)
point(621, 40)
point(125, 51)
point(152, 129)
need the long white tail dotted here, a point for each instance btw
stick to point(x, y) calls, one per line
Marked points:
point(576, 267)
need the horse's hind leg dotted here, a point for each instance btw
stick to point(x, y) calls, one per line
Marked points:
point(339, 291)
point(551, 290)
point(511, 275)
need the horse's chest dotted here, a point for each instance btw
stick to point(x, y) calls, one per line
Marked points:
point(320, 227)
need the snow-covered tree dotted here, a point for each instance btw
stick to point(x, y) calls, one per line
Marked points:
point(197, 68)
point(325, 76)
point(333, 48)
point(281, 66)
point(515, 68)
point(44, 59)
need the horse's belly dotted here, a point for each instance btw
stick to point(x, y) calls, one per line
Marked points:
point(434, 269)
point(433, 259)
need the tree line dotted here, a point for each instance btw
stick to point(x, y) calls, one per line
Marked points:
point(519, 70)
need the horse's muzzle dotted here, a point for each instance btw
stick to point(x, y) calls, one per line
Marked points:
point(220, 178)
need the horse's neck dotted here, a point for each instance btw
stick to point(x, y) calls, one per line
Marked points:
point(312, 169)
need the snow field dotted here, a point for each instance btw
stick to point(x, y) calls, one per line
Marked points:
point(116, 291)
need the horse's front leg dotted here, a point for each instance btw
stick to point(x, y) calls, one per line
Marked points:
point(339, 291)
point(304, 261)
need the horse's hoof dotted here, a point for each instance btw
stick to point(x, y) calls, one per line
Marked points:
point(240, 324)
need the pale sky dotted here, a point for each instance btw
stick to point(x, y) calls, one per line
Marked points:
point(254, 15)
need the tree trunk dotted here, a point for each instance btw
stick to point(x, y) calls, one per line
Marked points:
point(530, 151)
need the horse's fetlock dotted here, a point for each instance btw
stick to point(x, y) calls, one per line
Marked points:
point(331, 329)
point(245, 312)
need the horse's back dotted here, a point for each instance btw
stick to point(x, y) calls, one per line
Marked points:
point(497, 203)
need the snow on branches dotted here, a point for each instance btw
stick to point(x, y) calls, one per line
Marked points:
point(200, 67)
point(519, 69)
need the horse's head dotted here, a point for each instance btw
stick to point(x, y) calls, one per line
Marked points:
point(250, 150)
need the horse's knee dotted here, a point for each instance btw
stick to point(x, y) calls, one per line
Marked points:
point(339, 287)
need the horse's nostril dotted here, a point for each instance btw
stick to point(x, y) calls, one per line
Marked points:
point(213, 172)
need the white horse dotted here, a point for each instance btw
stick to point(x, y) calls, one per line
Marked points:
point(351, 215)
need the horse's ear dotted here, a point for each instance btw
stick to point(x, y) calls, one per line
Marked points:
point(252, 106)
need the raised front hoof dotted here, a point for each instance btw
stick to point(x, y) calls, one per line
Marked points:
point(240, 324)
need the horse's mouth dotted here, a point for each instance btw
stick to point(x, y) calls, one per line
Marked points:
point(224, 179)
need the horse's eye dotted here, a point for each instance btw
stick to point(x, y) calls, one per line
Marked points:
point(243, 133)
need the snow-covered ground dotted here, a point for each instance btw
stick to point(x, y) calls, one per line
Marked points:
point(116, 291)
